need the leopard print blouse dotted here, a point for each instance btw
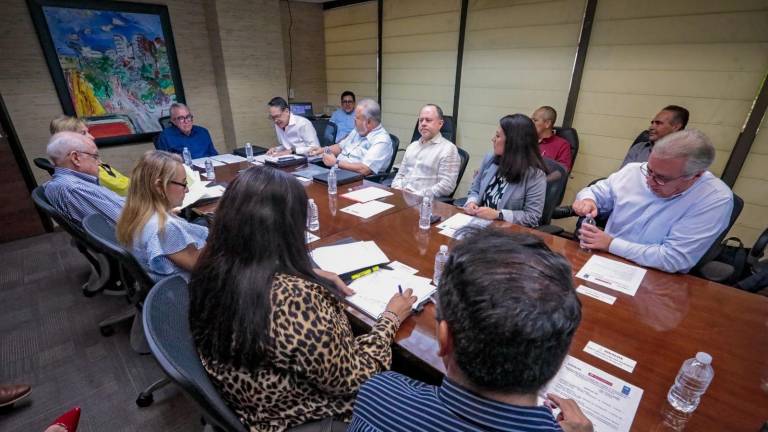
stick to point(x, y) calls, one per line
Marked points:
point(316, 363)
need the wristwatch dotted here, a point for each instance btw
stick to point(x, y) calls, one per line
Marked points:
point(500, 216)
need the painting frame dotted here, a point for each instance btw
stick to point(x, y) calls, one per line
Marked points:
point(57, 73)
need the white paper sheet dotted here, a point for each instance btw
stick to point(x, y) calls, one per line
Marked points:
point(310, 237)
point(405, 268)
point(595, 294)
point(198, 191)
point(229, 158)
point(609, 402)
point(367, 194)
point(373, 292)
point(606, 354)
point(348, 257)
point(460, 220)
point(612, 274)
point(200, 162)
point(368, 209)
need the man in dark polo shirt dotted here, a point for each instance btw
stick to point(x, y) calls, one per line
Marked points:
point(670, 119)
point(551, 146)
point(184, 133)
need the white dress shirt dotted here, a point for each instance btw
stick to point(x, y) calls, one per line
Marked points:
point(669, 234)
point(431, 167)
point(299, 135)
point(373, 150)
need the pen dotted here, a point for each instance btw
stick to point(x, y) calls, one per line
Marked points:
point(400, 288)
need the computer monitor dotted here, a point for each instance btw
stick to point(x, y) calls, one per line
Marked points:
point(303, 109)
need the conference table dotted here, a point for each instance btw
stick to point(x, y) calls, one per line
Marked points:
point(668, 320)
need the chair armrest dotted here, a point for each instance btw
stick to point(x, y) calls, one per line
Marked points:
point(384, 178)
point(562, 212)
point(445, 199)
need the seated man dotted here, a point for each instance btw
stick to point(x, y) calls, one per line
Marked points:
point(368, 149)
point(74, 189)
point(670, 119)
point(431, 164)
point(183, 133)
point(294, 133)
point(551, 146)
point(344, 118)
point(665, 212)
point(505, 324)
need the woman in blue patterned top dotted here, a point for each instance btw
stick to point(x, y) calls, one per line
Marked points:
point(163, 243)
point(511, 184)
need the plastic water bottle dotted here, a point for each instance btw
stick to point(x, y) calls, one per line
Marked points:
point(692, 381)
point(425, 212)
point(187, 157)
point(210, 173)
point(314, 220)
point(332, 186)
point(588, 220)
point(249, 152)
point(440, 259)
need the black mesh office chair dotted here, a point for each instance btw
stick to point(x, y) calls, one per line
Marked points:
point(44, 164)
point(384, 176)
point(556, 180)
point(714, 248)
point(166, 325)
point(164, 121)
point(570, 135)
point(448, 131)
point(326, 131)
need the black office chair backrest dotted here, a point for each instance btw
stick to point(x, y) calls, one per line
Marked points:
point(448, 131)
point(166, 325)
point(101, 233)
point(44, 164)
point(644, 136)
point(714, 249)
point(165, 121)
point(570, 135)
point(326, 131)
point(464, 160)
point(556, 180)
point(41, 201)
point(395, 147)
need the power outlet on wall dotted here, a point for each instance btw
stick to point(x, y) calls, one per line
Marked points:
point(290, 93)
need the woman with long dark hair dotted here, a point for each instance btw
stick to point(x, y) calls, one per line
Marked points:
point(511, 184)
point(271, 330)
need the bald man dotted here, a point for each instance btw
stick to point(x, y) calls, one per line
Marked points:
point(551, 146)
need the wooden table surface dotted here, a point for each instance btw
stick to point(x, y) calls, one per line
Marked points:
point(670, 318)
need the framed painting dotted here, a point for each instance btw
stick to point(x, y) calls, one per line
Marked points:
point(113, 64)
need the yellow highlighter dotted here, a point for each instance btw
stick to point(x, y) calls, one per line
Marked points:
point(365, 272)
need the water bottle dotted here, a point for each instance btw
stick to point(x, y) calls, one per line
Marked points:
point(425, 212)
point(440, 259)
point(314, 220)
point(692, 381)
point(249, 152)
point(210, 174)
point(332, 187)
point(187, 157)
point(588, 220)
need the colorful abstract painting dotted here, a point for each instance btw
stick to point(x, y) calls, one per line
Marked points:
point(115, 62)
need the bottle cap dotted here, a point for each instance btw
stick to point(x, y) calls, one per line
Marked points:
point(703, 357)
point(444, 248)
point(311, 200)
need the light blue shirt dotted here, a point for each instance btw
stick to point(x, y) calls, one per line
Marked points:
point(77, 195)
point(373, 150)
point(669, 234)
point(345, 123)
point(152, 248)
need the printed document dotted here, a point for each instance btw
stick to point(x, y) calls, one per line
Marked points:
point(229, 158)
point(612, 274)
point(373, 292)
point(366, 194)
point(608, 402)
point(348, 257)
point(368, 209)
point(450, 226)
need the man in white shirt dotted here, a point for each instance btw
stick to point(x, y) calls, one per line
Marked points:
point(431, 164)
point(294, 133)
point(367, 149)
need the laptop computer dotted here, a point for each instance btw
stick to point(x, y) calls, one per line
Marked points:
point(303, 109)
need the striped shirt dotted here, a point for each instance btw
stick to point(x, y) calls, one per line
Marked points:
point(152, 247)
point(393, 402)
point(77, 195)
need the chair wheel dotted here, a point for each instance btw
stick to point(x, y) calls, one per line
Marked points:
point(144, 401)
point(107, 331)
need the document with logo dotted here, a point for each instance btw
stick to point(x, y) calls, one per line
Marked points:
point(608, 402)
point(612, 274)
point(373, 292)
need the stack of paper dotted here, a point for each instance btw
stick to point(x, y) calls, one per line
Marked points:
point(200, 162)
point(450, 226)
point(373, 292)
point(367, 194)
point(198, 191)
point(348, 257)
point(229, 158)
point(367, 209)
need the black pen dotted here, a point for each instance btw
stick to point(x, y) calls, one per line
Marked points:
point(400, 288)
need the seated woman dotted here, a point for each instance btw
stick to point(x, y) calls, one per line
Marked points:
point(511, 184)
point(271, 331)
point(163, 243)
point(109, 177)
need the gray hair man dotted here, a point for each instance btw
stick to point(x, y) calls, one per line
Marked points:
point(665, 213)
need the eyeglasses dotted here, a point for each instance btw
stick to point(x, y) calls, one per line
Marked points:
point(184, 185)
point(186, 118)
point(347, 101)
point(659, 180)
point(95, 156)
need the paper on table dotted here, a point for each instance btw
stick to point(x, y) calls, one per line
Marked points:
point(229, 158)
point(310, 237)
point(373, 292)
point(612, 274)
point(348, 257)
point(260, 159)
point(368, 209)
point(460, 220)
point(609, 402)
point(366, 194)
point(200, 162)
point(198, 191)
point(398, 266)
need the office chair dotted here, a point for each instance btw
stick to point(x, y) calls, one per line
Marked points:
point(164, 121)
point(714, 248)
point(166, 325)
point(385, 176)
point(570, 135)
point(44, 164)
point(556, 180)
point(326, 131)
point(464, 161)
point(448, 131)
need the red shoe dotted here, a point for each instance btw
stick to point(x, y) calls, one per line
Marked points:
point(68, 420)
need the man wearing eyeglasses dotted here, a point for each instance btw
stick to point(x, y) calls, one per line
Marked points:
point(344, 117)
point(74, 189)
point(184, 133)
point(665, 213)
